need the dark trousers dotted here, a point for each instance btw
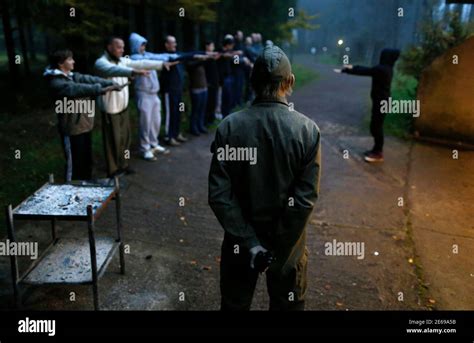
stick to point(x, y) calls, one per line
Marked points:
point(227, 96)
point(376, 127)
point(249, 96)
point(211, 104)
point(198, 111)
point(239, 78)
point(172, 100)
point(78, 153)
point(286, 278)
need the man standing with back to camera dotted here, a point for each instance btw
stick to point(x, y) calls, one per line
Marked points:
point(264, 207)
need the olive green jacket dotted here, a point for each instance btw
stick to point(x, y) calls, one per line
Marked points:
point(280, 188)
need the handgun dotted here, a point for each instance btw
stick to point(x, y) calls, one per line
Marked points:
point(263, 260)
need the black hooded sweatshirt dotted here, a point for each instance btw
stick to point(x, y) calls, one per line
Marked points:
point(381, 74)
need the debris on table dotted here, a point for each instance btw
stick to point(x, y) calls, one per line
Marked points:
point(63, 200)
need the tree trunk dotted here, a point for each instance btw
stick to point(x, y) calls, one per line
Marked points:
point(179, 28)
point(140, 14)
point(9, 44)
point(31, 40)
point(24, 48)
point(218, 25)
point(196, 39)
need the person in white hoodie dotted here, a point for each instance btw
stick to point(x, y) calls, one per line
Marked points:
point(114, 107)
point(148, 102)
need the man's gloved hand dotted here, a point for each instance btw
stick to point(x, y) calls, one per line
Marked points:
point(253, 253)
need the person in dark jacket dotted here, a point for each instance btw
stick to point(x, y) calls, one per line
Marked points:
point(238, 69)
point(251, 55)
point(226, 78)
point(212, 77)
point(198, 91)
point(257, 43)
point(74, 90)
point(172, 82)
point(263, 203)
point(381, 80)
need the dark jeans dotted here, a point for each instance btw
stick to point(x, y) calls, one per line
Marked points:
point(376, 128)
point(249, 96)
point(198, 111)
point(239, 78)
point(211, 104)
point(173, 115)
point(78, 153)
point(227, 96)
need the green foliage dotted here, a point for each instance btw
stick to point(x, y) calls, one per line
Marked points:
point(199, 11)
point(80, 25)
point(40, 152)
point(330, 59)
point(398, 124)
point(264, 16)
point(403, 88)
point(301, 21)
point(77, 20)
point(303, 75)
point(436, 39)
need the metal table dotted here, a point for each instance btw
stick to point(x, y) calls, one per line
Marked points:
point(68, 260)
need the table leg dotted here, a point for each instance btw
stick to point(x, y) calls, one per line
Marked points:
point(90, 224)
point(13, 258)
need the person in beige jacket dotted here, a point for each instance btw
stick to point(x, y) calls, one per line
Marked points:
point(114, 106)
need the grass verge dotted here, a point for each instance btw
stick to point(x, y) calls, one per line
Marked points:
point(398, 124)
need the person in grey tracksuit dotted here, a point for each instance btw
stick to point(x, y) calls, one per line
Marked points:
point(148, 102)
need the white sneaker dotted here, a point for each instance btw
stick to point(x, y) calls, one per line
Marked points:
point(149, 156)
point(160, 150)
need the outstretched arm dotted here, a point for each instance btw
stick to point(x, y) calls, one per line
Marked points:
point(165, 57)
point(145, 64)
point(75, 89)
point(107, 69)
point(84, 78)
point(188, 56)
point(359, 70)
